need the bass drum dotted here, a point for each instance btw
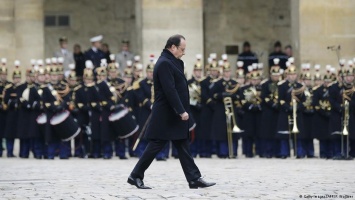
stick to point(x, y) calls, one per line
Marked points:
point(123, 123)
point(64, 126)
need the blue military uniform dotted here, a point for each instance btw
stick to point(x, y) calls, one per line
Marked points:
point(95, 56)
point(305, 137)
point(28, 113)
point(270, 105)
point(207, 103)
point(11, 100)
point(335, 120)
point(2, 110)
point(251, 104)
point(321, 120)
point(222, 88)
point(108, 101)
point(79, 97)
point(286, 90)
point(195, 106)
point(63, 91)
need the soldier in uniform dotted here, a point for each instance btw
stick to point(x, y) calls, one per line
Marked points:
point(3, 83)
point(278, 54)
point(288, 90)
point(63, 90)
point(81, 114)
point(305, 138)
point(222, 88)
point(93, 100)
point(125, 55)
point(38, 142)
point(108, 102)
point(119, 85)
point(321, 117)
point(251, 104)
point(94, 53)
point(54, 97)
point(29, 100)
point(247, 57)
point(270, 105)
point(11, 101)
point(195, 105)
point(349, 98)
point(336, 114)
point(207, 103)
point(66, 54)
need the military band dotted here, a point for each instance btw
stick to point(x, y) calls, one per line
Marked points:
point(274, 117)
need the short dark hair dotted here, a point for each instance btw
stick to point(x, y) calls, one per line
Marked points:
point(277, 44)
point(174, 40)
point(246, 44)
point(288, 46)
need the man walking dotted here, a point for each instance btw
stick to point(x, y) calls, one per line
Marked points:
point(169, 120)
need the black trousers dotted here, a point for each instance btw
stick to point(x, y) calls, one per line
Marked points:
point(188, 165)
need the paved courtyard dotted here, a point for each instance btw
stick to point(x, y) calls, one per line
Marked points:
point(236, 179)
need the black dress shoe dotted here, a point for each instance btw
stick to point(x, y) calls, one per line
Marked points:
point(123, 158)
point(137, 182)
point(300, 157)
point(107, 157)
point(161, 159)
point(199, 183)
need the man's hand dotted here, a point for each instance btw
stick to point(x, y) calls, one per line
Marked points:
point(184, 116)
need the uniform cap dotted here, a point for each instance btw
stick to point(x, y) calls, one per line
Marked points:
point(96, 38)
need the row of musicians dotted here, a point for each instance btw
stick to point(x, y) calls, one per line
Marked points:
point(264, 112)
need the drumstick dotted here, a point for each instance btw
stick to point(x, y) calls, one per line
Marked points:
point(141, 133)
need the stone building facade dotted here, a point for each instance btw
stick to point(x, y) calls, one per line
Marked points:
point(209, 26)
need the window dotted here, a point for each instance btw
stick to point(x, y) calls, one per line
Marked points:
point(57, 20)
point(49, 20)
point(63, 20)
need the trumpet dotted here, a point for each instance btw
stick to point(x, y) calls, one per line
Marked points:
point(229, 110)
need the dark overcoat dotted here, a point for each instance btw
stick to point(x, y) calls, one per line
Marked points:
point(171, 99)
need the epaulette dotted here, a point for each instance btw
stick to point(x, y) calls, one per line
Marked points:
point(129, 88)
point(202, 79)
point(43, 86)
point(90, 84)
point(264, 81)
point(136, 85)
point(217, 79)
point(8, 86)
point(316, 87)
point(332, 83)
point(281, 82)
point(77, 87)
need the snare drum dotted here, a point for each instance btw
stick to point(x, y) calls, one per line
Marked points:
point(41, 121)
point(64, 126)
point(123, 123)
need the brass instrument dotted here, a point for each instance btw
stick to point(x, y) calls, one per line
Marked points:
point(346, 118)
point(195, 94)
point(347, 93)
point(230, 118)
point(294, 116)
point(252, 95)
